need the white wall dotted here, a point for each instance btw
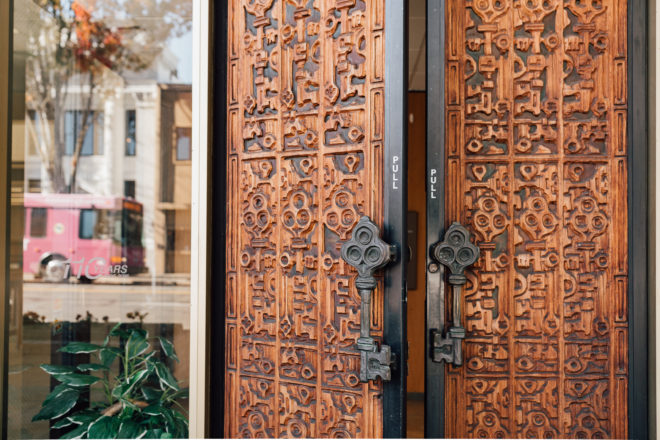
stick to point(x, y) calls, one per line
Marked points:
point(145, 165)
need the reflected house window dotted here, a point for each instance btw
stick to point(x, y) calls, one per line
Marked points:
point(131, 122)
point(34, 185)
point(170, 242)
point(129, 189)
point(99, 120)
point(73, 125)
point(38, 222)
point(34, 132)
point(183, 138)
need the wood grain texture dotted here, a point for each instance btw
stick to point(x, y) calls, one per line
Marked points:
point(536, 110)
point(305, 131)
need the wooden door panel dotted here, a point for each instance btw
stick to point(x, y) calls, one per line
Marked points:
point(305, 133)
point(536, 167)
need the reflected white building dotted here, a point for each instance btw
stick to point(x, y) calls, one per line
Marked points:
point(130, 150)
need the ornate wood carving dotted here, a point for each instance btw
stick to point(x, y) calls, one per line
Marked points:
point(305, 128)
point(536, 155)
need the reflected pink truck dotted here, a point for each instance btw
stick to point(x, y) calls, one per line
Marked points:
point(82, 235)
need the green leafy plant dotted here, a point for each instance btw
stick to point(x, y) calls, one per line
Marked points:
point(141, 401)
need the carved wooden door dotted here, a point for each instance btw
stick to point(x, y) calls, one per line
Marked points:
point(306, 103)
point(535, 97)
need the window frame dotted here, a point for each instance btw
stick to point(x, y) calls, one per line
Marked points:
point(6, 59)
point(199, 354)
point(200, 235)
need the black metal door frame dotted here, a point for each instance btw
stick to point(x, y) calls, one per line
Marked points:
point(638, 183)
point(434, 380)
point(395, 197)
point(215, 396)
point(395, 208)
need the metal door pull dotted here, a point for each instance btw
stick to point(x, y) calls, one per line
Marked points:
point(456, 252)
point(366, 252)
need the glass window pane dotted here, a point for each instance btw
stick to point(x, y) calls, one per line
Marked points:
point(99, 130)
point(87, 223)
point(130, 132)
point(70, 132)
point(129, 189)
point(87, 148)
point(183, 136)
point(33, 132)
point(38, 222)
point(100, 241)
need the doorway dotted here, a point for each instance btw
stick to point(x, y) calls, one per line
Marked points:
point(416, 264)
point(540, 164)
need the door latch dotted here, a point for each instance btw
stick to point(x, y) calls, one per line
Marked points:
point(366, 252)
point(456, 252)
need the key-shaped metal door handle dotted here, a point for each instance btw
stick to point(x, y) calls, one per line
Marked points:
point(366, 252)
point(457, 253)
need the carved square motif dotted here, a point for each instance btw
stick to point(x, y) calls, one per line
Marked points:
point(258, 358)
point(298, 363)
point(256, 408)
point(301, 133)
point(344, 128)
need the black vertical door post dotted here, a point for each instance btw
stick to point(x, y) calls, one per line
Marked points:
point(218, 120)
point(434, 386)
point(638, 183)
point(396, 206)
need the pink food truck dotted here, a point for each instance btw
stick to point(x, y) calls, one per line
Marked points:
point(81, 235)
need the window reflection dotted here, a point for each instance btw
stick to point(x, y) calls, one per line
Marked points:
point(38, 222)
point(101, 188)
point(130, 132)
point(96, 224)
point(183, 137)
point(75, 129)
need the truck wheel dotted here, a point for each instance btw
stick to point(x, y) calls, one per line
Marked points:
point(55, 270)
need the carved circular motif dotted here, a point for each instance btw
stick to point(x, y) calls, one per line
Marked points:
point(296, 429)
point(352, 380)
point(538, 419)
point(256, 421)
point(297, 217)
point(307, 373)
point(347, 217)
